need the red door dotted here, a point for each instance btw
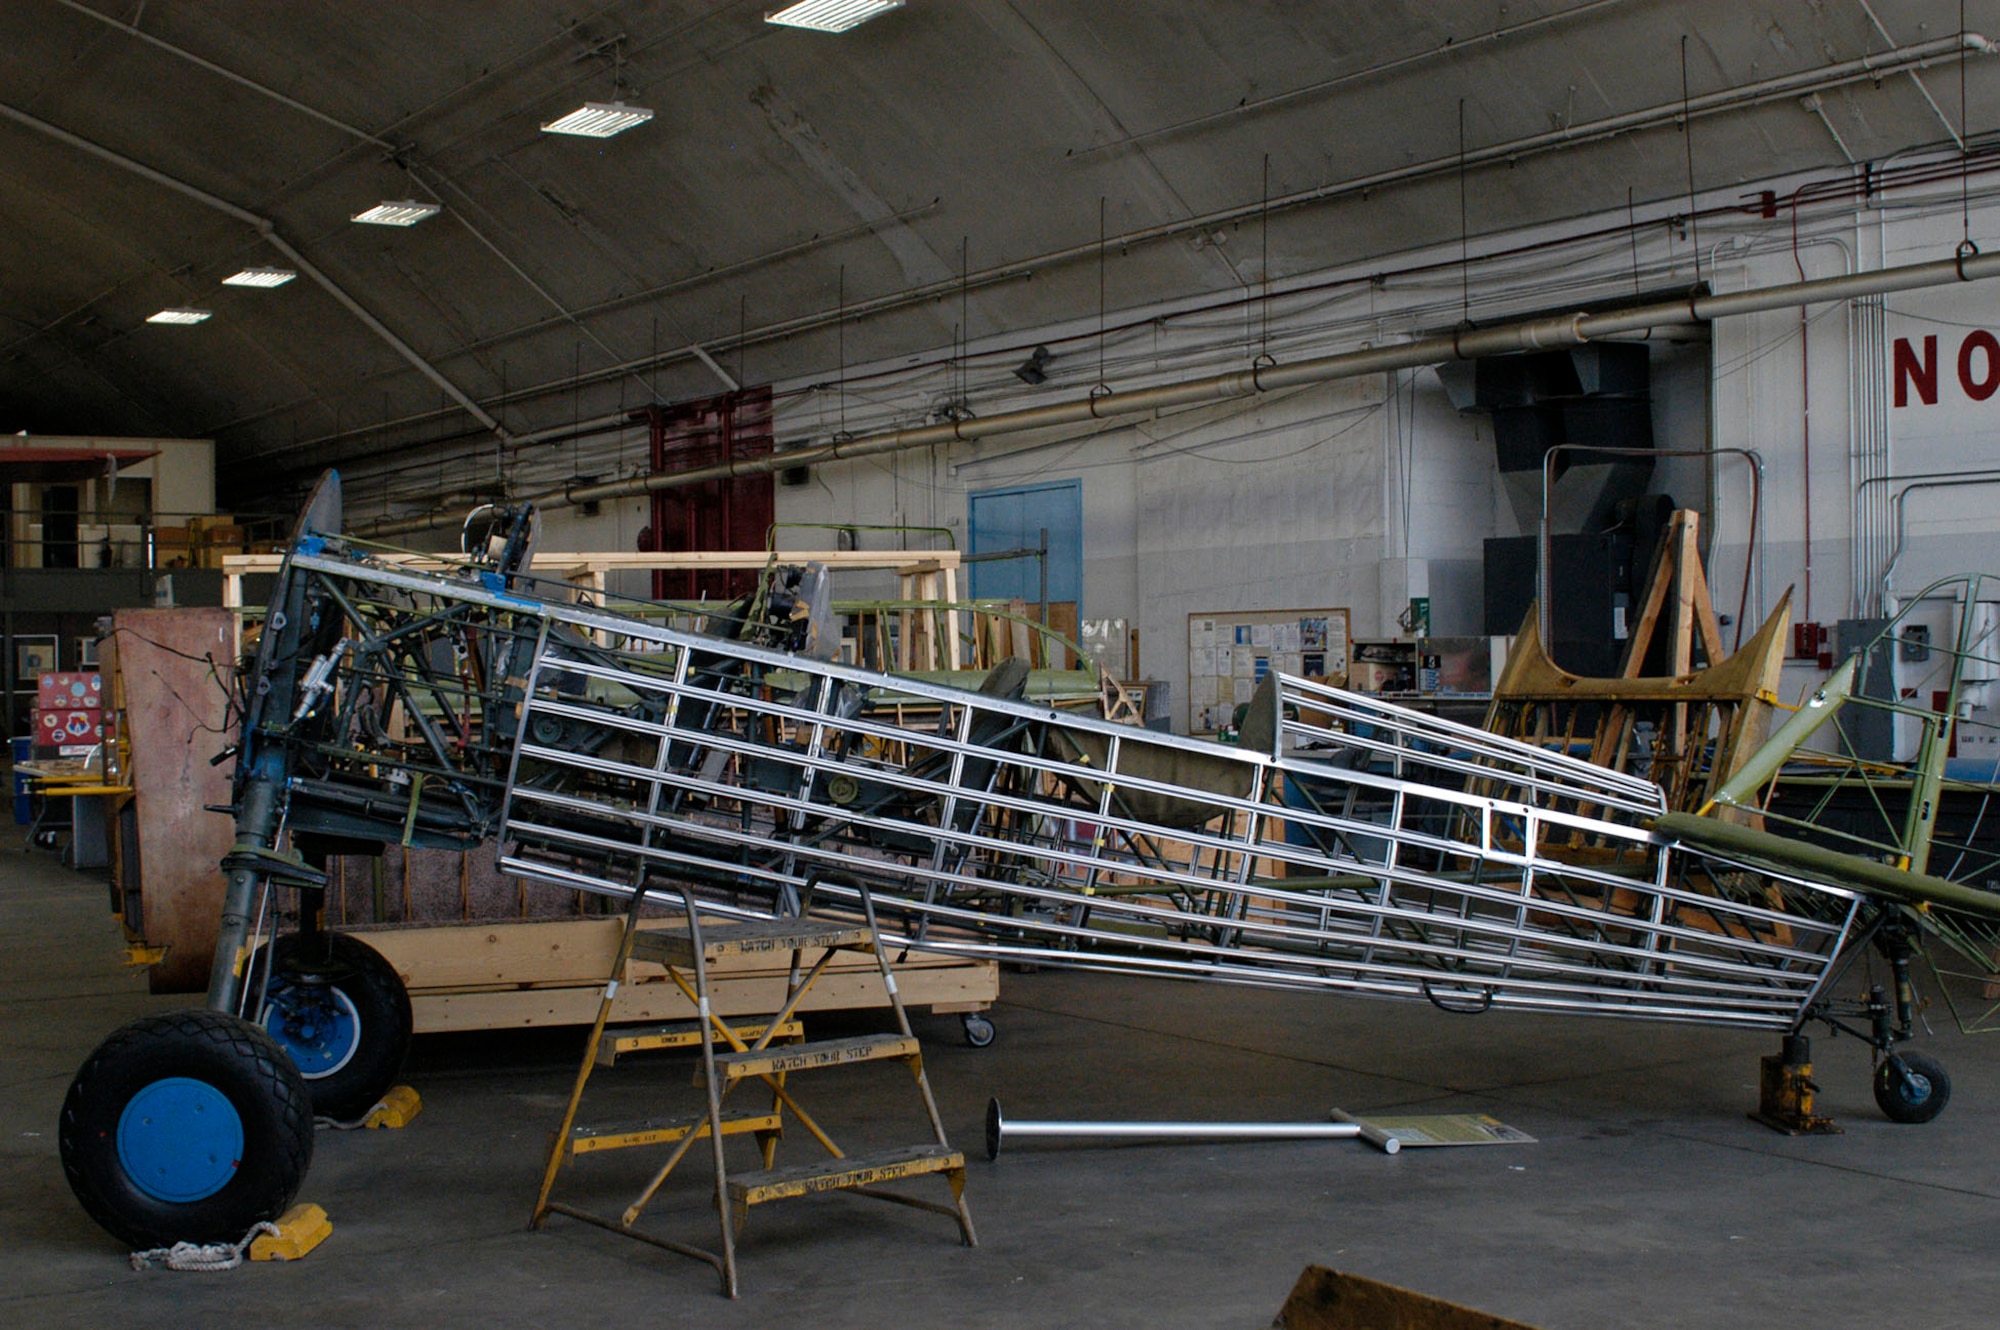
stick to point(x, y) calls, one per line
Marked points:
point(733, 514)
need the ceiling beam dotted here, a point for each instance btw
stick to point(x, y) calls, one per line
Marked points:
point(268, 229)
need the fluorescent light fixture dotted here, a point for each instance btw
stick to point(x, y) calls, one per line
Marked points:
point(179, 316)
point(599, 120)
point(831, 15)
point(404, 212)
point(260, 277)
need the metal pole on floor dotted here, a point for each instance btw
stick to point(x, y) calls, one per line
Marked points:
point(998, 1129)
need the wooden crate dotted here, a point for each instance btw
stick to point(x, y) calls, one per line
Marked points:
point(489, 976)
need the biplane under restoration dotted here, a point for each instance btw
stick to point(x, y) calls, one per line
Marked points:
point(1343, 844)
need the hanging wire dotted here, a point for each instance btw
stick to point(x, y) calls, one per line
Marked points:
point(964, 319)
point(1687, 145)
point(385, 440)
point(1965, 245)
point(1264, 226)
point(499, 438)
point(840, 333)
point(1395, 410)
point(1103, 386)
point(1464, 225)
point(1408, 420)
point(1632, 229)
point(437, 444)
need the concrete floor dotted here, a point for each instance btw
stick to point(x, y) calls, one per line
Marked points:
point(1649, 1200)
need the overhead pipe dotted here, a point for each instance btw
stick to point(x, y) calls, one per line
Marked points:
point(1541, 334)
point(1875, 181)
point(1951, 130)
point(647, 364)
point(1901, 59)
point(1878, 180)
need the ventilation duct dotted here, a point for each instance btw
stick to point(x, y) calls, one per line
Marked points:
point(1597, 394)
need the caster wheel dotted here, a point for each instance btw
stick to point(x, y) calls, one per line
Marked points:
point(188, 1126)
point(979, 1031)
point(1910, 1087)
point(340, 1011)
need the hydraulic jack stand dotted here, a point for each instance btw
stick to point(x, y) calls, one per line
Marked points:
point(1785, 1092)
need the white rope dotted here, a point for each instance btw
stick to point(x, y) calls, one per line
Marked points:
point(361, 1121)
point(203, 1256)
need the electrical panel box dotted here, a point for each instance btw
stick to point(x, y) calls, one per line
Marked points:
point(1869, 733)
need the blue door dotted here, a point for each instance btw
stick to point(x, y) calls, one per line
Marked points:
point(1014, 519)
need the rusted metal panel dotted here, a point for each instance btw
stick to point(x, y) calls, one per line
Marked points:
point(1326, 1299)
point(173, 667)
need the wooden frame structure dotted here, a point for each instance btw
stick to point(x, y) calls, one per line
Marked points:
point(1689, 730)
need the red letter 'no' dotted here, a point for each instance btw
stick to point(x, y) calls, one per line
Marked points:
point(1923, 375)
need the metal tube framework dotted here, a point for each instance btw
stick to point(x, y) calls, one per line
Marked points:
point(1348, 845)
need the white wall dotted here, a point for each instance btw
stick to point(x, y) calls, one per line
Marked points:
point(1948, 530)
point(1269, 506)
point(183, 475)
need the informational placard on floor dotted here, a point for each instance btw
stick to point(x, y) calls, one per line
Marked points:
point(1448, 1129)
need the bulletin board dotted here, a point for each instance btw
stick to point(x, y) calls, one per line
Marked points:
point(1231, 652)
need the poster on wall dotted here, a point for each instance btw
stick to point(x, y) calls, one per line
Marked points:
point(1229, 654)
point(33, 654)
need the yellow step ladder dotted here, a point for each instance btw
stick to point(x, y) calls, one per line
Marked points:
point(768, 1052)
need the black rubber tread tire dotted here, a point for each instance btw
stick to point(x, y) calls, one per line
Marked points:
point(380, 1002)
point(1889, 1090)
point(234, 1057)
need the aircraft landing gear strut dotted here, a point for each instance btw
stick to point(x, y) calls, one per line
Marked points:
point(1909, 1087)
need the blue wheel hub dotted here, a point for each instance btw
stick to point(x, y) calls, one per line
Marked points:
point(180, 1140)
point(315, 1023)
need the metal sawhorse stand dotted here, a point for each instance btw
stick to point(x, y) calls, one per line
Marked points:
point(759, 1053)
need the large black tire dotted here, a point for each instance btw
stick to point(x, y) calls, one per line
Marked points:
point(188, 1126)
point(342, 1013)
point(1910, 1087)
